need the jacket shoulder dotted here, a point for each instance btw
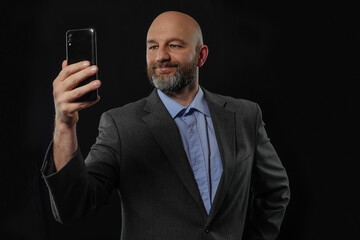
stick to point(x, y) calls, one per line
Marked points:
point(129, 110)
point(234, 104)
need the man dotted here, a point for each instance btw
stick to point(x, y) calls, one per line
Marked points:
point(188, 164)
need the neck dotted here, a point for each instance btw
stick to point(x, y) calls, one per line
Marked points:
point(186, 95)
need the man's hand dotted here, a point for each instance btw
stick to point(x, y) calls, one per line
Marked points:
point(66, 108)
point(65, 94)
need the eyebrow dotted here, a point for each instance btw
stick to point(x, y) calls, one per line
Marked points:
point(169, 40)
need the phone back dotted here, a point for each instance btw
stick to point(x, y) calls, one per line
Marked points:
point(80, 46)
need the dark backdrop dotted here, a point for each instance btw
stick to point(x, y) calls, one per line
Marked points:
point(299, 60)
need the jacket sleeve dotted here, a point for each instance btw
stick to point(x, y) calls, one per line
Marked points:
point(81, 187)
point(270, 189)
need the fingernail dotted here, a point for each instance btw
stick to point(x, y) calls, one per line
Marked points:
point(85, 64)
point(96, 83)
point(93, 69)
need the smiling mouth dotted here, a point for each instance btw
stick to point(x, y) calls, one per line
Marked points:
point(165, 68)
point(165, 64)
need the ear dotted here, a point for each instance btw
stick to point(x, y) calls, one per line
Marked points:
point(203, 53)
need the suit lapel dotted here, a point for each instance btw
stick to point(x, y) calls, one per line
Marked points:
point(224, 126)
point(166, 133)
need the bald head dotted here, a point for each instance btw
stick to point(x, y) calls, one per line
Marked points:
point(175, 51)
point(174, 24)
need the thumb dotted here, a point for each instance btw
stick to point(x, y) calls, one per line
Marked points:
point(64, 64)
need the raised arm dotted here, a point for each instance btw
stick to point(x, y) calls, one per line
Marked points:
point(66, 108)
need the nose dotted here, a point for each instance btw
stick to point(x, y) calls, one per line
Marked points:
point(162, 55)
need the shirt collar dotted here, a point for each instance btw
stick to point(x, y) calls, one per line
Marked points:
point(199, 104)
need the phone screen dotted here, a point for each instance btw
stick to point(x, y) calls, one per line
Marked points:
point(80, 46)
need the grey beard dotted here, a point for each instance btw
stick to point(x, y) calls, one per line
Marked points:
point(174, 83)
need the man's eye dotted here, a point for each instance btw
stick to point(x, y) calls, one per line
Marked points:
point(175, 46)
point(152, 47)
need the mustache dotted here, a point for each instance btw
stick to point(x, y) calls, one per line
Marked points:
point(165, 64)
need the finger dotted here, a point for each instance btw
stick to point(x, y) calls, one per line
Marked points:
point(71, 69)
point(87, 104)
point(78, 77)
point(68, 109)
point(77, 106)
point(76, 93)
point(64, 64)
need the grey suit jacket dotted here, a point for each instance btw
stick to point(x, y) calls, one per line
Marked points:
point(139, 151)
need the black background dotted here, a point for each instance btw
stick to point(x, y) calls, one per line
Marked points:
point(299, 60)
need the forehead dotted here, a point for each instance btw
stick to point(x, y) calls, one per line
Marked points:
point(163, 31)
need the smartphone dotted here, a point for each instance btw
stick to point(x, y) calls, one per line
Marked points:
point(80, 46)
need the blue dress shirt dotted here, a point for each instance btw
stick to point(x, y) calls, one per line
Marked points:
point(198, 137)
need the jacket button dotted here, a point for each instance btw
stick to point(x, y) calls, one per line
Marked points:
point(207, 229)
